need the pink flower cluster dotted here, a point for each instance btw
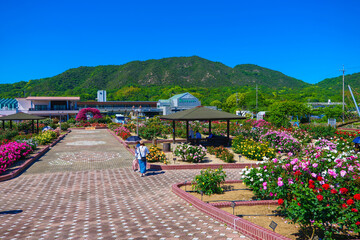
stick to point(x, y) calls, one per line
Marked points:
point(11, 152)
point(82, 114)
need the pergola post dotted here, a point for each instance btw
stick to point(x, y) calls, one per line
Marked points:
point(209, 127)
point(187, 131)
point(173, 131)
point(32, 126)
point(4, 124)
point(228, 130)
point(37, 126)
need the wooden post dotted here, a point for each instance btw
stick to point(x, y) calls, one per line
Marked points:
point(37, 126)
point(174, 131)
point(228, 131)
point(187, 131)
point(32, 126)
point(4, 124)
point(209, 127)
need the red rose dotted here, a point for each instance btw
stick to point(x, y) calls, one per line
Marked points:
point(343, 191)
point(357, 196)
point(344, 205)
point(320, 190)
point(350, 202)
point(354, 210)
point(320, 197)
point(312, 186)
point(333, 191)
point(326, 186)
point(311, 181)
point(357, 223)
point(319, 178)
point(280, 201)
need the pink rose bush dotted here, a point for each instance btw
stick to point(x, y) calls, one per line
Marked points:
point(11, 152)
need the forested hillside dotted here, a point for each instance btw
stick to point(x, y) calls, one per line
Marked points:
point(212, 82)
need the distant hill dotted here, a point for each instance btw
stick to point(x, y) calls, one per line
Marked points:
point(336, 83)
point(175, 71)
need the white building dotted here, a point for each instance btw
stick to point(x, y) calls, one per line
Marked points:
point(178, 103)
point(101, 96)
point(65, 107)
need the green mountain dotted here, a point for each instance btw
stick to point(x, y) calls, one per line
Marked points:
point(337, 83)
point(185, 72)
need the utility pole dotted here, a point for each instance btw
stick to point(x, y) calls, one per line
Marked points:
point(343, 95)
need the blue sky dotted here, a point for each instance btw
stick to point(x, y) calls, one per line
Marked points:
point(308, 40)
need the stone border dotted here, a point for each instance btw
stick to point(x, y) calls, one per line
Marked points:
point(245, 227)
point(30, 161)
point(183, 166)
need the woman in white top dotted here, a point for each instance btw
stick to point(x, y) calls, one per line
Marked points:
point(141, 154)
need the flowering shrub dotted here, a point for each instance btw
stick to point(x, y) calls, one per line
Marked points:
point(190, 153)
point(12, 151)
point(319, 191)
point(156, 155)
point(82, 114)
point(319, 131)
point(281, 141)
point(122, 132)
point(251, 149)
point(325, 144)
point(209, 181)
point(46, 137)
point(222, 153)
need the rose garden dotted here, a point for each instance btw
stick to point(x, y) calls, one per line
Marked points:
point(307, 177)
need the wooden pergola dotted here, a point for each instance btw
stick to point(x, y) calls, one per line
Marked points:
point(20, 116)
point(201, 114)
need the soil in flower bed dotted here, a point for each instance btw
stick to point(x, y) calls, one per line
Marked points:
point(233, 192)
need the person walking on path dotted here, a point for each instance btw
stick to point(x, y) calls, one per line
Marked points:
point(135, 164)
point(142, 152)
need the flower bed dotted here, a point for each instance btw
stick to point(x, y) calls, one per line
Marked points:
point(251, 149)
point(156, 155)
point(122, 132)
point(282, 141)
point(222, 153)
point(320, 191)
point(190, 153)
point(46, 137)
point(11, 152)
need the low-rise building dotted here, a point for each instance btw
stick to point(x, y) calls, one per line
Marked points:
point(179, 102)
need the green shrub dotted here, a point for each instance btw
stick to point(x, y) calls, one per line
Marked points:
point(209, 181)
point(64, 126)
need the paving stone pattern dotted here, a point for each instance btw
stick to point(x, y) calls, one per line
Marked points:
point(85, 201)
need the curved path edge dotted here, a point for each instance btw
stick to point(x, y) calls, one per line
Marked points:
point(30, 161)
point(245, 227)
point(184, 166)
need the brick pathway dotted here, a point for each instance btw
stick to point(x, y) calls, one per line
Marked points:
point(93, 199)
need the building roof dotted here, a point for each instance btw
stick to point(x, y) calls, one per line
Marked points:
point(54, 98)
point(21, 116)
point(201, 113)
point(178, 96)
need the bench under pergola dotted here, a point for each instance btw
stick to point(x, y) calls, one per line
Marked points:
point(201, 114)
point(20, 116)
